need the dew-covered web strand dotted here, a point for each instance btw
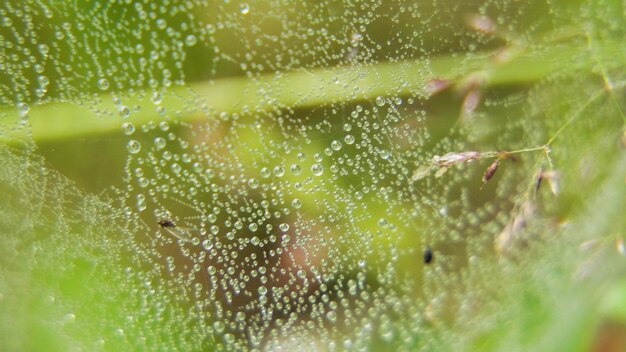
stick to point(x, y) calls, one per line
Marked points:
point(535, 181)
point(408, 181)
point(599, 93)
point(384, 289)
point(546, 148)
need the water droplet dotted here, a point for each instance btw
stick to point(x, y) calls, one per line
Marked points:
point(160, 142)
point(191, 40)
point(229, 339)
point(331, 316)
point(384, 154)
point(103, 84)
point(43, 80)
point(133, 146)
point(253, 183)
point(43, 49)
point(128, 128)
point(23, 109)
point(218, 326)
point(295, 169)
point(157, 98)
point(124, 111)
point(244, 9)
point(317, 169)
point(279, 171)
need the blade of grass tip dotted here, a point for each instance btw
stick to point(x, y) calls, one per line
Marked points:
point(297, 89)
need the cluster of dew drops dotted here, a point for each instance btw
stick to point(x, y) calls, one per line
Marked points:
point(280, 240)
point(277, 225)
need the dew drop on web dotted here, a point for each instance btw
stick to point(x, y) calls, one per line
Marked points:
point(281, 139)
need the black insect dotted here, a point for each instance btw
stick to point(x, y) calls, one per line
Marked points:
point(166, 223)
point(428, 255)
point(182, 233)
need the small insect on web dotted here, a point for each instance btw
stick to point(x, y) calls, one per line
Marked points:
point(182, 233)
point(166, 223)
point(428, 255)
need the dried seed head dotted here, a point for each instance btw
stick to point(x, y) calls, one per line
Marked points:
point(491, 170)
point(435, 86)
point(505, 54)
point(552, 177)
point(421, 172)
point(588, 245)
point(553, 180)
point(441, 171)
point(455, 158)
point(482, 23)
point(538, 180)
point(621, 248)
point(470, 103)
point(513, 230)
